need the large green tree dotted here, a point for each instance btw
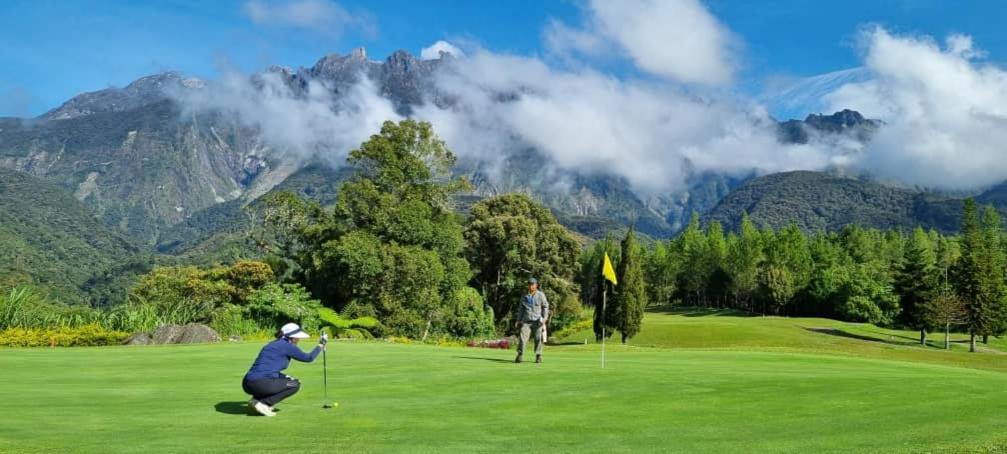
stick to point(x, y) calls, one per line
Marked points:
point(916, 282)
point(510, 238)
point(692, 246)
point(631, 297)
point(744, 257)
point(979, 274)
point(661, 268)
point(392, 246)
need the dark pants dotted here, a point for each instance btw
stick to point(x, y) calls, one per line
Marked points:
point(271, 391)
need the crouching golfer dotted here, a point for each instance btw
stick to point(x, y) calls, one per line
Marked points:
point(265, 382)
point(532, 315)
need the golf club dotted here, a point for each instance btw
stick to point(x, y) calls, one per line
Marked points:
point(325, 375)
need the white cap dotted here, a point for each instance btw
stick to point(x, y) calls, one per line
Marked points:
point(292, 330)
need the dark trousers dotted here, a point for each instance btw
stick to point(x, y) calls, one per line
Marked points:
point(271, 391)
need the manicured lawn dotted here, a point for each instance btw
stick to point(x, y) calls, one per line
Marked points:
point(410, 398)
point(692, 330)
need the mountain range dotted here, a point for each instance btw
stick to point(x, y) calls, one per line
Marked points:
point(138, 169)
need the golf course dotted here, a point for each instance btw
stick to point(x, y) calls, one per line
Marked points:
point(691, 382)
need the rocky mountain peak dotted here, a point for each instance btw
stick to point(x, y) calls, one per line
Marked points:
point(142, 91)
point(845, 121)
point(845, 118)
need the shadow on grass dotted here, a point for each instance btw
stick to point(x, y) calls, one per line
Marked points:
point(848, 335)
point(900, 336)
point(495, 360)
point(233, 408)
point(841, 333)
point(698, 311)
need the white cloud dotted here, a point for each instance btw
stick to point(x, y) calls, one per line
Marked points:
point(796, 97)
point(675, 39)
point(653, 134)
point(433, 52)
point(297, 126)
point(319, 15)
point(946, 111)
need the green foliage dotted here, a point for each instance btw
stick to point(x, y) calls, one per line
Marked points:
point(661, 268)
point(979, 276)
point(745, 254)
point(916, 280)
point(693, 247)
point(51, 241)
point(187, 293)
point(510, 238)
point(83, 336)
point(467, 315)
point(391, 247)
point(630, 296)
point(566, 312)
point(358, 328)
point(818, 202)
point(594, 288)
point(274, 305)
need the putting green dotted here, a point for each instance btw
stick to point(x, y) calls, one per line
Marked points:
point(411, 398)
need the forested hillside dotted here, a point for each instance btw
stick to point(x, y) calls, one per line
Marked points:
point(49, 238)
point(818, 201)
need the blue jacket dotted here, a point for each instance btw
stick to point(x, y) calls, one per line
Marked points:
point(275, 357)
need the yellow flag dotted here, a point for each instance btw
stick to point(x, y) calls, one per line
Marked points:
point(608, 271)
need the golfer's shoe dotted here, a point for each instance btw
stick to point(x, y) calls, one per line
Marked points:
point(261, 408)
point(518, 359)
point(538, 358)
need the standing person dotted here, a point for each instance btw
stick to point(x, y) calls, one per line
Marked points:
point(264, 380)
point(532, 315)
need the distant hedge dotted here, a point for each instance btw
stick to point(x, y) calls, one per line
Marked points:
point(84, 336)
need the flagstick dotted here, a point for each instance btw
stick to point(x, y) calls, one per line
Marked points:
point(604, 290)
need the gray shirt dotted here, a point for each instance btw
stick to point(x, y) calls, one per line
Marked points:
point(533, 307)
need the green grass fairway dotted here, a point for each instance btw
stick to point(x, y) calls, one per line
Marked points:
point(413, 398)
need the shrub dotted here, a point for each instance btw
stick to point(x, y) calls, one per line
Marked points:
point(568, 312)
point(182, 292)
point(27, 307)
point(231, 320)
point(466, 315)
point(246, 276)
point(275, 305)
point(21, 307)
point(83, 336)
point(574, 328)
point(357, 328)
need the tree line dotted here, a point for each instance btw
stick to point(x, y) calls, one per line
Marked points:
point(394, 248)
point(920, 280)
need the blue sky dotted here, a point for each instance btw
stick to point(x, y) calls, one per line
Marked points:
point(52, 50)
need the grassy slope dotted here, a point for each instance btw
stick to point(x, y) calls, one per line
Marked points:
point(400, 398)
point(712, 330)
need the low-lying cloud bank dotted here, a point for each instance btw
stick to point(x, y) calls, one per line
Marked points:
point(296, 126)
point(945, 109)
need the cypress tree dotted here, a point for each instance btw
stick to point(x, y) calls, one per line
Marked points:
point(631, 299)
point(594, 280)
